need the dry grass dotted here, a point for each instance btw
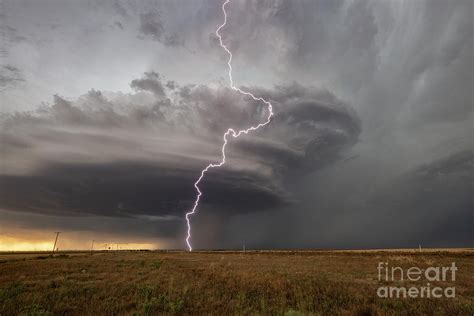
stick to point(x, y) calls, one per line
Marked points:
point(221, 283)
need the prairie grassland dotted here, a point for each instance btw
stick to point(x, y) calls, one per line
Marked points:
point(223, 283)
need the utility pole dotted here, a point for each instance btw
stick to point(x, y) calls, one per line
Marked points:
point(55, 242)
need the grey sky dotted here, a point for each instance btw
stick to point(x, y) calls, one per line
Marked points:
point(111, 108)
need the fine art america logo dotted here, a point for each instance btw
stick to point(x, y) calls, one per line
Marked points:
point(439, 274)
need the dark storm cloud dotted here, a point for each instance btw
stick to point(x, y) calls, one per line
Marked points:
point(437, 194)
point(129, 189)
point(358, 206)
point(433, 188)
point(304, 112)
point(138, 155)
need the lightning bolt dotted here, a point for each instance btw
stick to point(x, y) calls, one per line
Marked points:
point(230, 131)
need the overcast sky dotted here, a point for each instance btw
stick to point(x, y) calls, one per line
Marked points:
point(110, 109)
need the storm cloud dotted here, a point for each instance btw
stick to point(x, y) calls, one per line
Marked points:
point(110, 109)
point(138, 155)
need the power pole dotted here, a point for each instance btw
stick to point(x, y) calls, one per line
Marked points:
point(55, 242)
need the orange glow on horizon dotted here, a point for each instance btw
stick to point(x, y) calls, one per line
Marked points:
point(14, 244)
point(71, 242)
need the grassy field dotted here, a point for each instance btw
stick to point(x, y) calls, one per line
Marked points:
point(224, 283)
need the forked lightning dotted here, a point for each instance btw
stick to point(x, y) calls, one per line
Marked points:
point(230, 131)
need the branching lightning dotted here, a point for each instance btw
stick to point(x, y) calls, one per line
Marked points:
point(230, 131)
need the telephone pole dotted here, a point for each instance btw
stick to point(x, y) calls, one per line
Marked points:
point(55, 242)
